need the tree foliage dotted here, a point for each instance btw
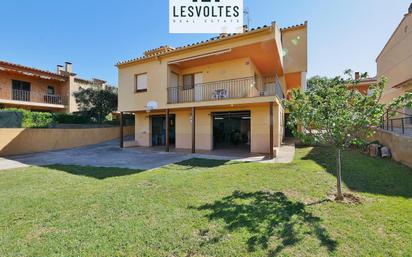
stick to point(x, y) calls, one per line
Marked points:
point(96, 103)
point(317, 80)
point(334, 113)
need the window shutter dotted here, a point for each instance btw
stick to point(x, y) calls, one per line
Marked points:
point(141, 82)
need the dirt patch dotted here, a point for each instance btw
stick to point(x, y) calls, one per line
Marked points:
point(348, 198)
point(38, 233)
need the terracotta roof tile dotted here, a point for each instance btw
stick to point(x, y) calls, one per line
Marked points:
point(19, 67)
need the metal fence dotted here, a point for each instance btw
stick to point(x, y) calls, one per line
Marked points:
point(226, 89)
point(400, 125)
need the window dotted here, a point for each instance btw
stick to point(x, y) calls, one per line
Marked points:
point(188, 81)
point(141, 82)
point(21, 90)
point(20, 85)
point(50, 90)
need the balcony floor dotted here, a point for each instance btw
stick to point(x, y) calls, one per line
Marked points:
point(31, 104)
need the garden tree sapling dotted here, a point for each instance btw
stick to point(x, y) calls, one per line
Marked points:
point(334, 113)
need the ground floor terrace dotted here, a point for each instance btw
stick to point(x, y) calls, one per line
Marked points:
point(249, 127)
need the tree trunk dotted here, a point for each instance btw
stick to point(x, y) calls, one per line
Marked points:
point(339, 195)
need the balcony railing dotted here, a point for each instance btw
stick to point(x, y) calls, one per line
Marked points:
point(402, 124)
point(227, 89)
point(30, 96)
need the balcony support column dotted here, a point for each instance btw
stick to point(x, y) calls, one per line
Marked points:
point(121, 131)
point(271, 154)
point(193, 130)
point(167, 131)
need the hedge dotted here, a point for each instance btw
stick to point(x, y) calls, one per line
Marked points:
point(12, 118)
point(33, 119)
point(64, 118)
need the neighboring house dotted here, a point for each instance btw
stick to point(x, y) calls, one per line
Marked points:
point(39, 90)
point(364, 84)
point(395, 60)
point(225, 92)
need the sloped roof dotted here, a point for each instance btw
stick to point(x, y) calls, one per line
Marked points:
point(156, 53)
point(30, 71)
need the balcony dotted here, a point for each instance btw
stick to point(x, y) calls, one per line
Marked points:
point(226, 89)
point(15, 96)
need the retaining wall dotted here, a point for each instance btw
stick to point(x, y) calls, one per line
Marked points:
point(401, 146)
point(14, 141)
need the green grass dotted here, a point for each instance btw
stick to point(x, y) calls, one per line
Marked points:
point(209, 208)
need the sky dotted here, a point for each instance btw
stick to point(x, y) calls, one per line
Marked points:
point(95, 35)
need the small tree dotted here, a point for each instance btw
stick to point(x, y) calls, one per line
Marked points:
point(334, 113)
point(96, 103)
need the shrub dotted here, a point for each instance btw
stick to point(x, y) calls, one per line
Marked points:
point(65, 118)
point(33, 119)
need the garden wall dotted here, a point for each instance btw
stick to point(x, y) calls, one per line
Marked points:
point(401, 146)
point(15, 141)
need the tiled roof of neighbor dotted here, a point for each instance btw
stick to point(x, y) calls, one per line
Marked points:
point(168, 49)
point(30, 71)
point(18, 67)
point(87, 81)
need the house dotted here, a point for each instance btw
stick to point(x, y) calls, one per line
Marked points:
point(364, 84)
point(40, 90)
point(395, 61)
point(222, 93)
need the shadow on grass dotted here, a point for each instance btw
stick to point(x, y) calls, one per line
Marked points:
point(366, 174)
point(94, 172)
point(203, 163)
point(273, 221)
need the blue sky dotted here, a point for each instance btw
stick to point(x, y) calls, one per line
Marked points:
point(94, 35)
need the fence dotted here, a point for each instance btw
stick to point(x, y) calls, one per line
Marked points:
point(400, 125)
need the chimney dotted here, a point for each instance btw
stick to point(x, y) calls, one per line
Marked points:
point(245, 28)
point(59, 69)
point(69, 67)
point(357, 75)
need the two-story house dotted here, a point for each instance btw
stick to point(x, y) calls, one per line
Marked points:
point(395, 61)
point(225, 92)
point(40, 90)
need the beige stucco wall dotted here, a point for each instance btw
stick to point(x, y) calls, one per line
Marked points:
point(295, 47)
point(401, 146)
point(204, 127)
point(15, 141)
point(158, 71)
point(238, 68)
point(395, 61)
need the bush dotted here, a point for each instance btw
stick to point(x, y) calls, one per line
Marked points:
point(65, 118)
point(33, 119)
point(37, 119)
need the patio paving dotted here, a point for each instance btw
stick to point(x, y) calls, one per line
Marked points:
point(109, 154)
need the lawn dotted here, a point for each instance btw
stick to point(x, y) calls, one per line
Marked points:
point(209, 208)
